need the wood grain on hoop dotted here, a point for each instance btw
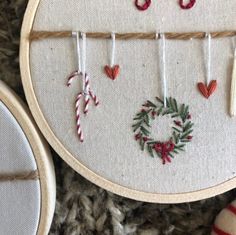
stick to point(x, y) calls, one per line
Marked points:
point(70, 159)
point(41, 153)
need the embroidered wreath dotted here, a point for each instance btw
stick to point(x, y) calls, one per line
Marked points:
point(182, 128)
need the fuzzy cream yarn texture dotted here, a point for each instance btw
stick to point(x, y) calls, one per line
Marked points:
point(85, 209)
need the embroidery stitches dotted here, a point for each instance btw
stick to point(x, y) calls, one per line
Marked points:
point(143, 7)
point(87, 93)
point(182, 128)
point(187, 6)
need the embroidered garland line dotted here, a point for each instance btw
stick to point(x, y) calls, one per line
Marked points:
point(38, 35)
point(33, 175)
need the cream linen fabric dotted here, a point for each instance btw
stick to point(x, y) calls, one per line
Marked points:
point(110, 149)
point(20, 201)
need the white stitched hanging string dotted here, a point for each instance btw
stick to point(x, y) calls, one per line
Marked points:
point(84, 58)
point(164, 79)
point(209, 39)
point(78, 51)
point(113, 49)
point(233, 86)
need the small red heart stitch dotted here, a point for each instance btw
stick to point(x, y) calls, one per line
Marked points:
point(207, 91)
point(112, 72)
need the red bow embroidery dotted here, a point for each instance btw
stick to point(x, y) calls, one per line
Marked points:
point(164, 149)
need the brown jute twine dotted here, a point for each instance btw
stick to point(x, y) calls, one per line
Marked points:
point(38, 35)
point(33, 175)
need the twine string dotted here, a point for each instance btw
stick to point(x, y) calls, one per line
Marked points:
point(33, 175)
point(38, 35)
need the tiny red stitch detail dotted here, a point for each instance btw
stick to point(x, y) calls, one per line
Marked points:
point(187, 6)
point(143, 7)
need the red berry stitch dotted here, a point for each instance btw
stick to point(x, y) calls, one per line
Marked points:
point(178, 123)
point(187, 6)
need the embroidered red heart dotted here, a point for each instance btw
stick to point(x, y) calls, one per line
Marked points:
point(207, 91)
point(112, 72)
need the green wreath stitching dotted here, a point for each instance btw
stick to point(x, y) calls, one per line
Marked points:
point(182, 128)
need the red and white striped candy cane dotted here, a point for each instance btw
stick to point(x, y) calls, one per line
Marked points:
point(86, 93)
point(78, 124)
point(71, 77)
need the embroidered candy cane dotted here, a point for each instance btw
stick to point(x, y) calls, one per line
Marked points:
point(77, 106)
point(86, 92)
point(72, 76)
point(144, 6)
point(187, 6)
point(78, 124)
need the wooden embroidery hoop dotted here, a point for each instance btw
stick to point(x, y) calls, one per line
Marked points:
point(76, 164)
point(41, 153)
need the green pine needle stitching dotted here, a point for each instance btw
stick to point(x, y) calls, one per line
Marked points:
point(181, 134)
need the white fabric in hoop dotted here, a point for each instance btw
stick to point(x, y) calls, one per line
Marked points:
point(109, 148)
